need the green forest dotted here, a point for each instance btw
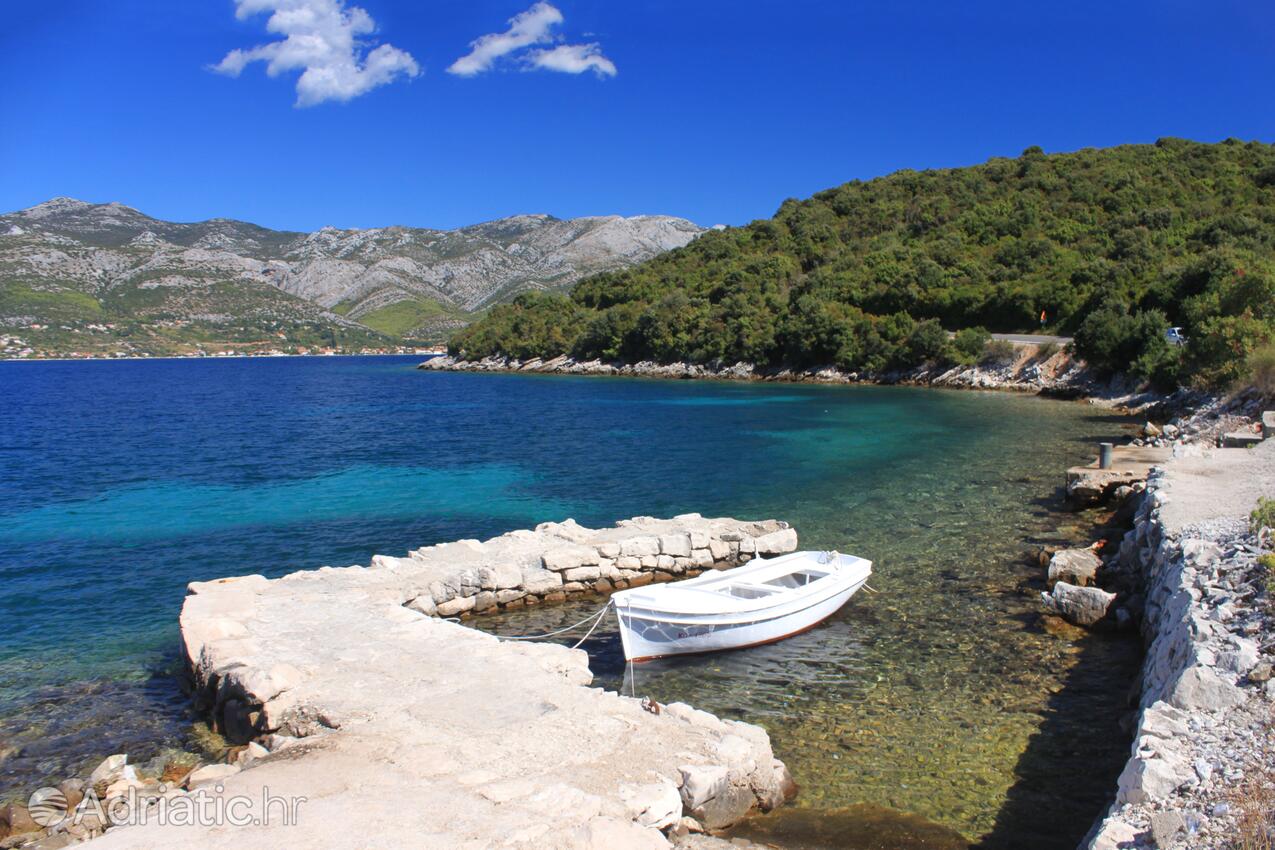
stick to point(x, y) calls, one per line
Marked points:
point(1113, 246)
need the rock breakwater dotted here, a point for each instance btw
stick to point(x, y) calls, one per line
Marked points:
point(354, 694)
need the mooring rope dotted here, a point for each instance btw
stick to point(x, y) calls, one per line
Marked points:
point(596, 623)
point(595, 614)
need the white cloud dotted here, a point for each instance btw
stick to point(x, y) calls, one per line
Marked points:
point(320, 38)
point(530, 28)
point(573, 59)
point(525, 29)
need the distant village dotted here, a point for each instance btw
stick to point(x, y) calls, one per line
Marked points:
point(16, 345)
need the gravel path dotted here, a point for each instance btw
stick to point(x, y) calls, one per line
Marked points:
point(1221, 484)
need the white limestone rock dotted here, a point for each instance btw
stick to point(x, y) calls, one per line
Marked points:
point(701, 783)
point(1081, 606)
point(676, 545)
point(1199, 687)
point(777, 542)
point(210, 775)
point(1074, 566)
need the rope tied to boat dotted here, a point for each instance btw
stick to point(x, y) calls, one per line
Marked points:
point(595, 618)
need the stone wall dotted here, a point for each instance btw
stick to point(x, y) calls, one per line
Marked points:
point(1205, 690)
point(558, 559)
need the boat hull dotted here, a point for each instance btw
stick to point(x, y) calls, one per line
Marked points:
point(647, 636)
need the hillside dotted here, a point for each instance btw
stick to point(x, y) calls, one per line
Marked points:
point(1113, 245)
point(79, 276)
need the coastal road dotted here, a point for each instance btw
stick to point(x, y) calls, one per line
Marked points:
point(1034, 339)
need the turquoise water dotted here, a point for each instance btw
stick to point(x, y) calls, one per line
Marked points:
point(944, 697)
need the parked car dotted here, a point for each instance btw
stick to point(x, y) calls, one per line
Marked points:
point(1175, 336)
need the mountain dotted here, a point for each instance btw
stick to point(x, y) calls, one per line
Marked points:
point(1114, 245)
point(70, 264)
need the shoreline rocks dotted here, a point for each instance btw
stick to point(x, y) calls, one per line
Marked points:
point(351, 689)
point(1204, 736)
point(1056, 373)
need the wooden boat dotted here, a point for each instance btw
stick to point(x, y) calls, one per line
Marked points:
point(761, 602)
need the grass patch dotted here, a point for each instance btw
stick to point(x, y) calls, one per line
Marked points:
point(401, 317)
point(19, 299)
point(1263, 515)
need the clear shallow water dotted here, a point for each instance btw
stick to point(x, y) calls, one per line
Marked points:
point(942, 697)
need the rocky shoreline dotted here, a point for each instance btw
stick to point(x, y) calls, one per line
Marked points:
point(1030, 370)
point(349, 693)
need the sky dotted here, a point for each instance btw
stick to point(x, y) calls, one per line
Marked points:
point(296, 114)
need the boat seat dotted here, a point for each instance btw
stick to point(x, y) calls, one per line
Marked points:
point(762, 588)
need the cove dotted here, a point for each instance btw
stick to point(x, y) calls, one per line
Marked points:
point(942, 702)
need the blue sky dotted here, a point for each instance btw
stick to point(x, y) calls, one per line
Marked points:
point(715, 111)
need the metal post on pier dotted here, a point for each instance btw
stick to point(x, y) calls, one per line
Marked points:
point(1104, 455)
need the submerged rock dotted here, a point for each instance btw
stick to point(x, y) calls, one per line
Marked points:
point(1074, 566)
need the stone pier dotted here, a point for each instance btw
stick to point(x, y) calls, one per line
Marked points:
point(395, 727)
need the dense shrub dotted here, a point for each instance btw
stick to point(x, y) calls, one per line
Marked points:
point(970, 343)
point(1261, 368)
point(1112, 245)
point(998, 352)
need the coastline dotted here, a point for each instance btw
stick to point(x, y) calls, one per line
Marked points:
point(1057, 375)
point(213, 357)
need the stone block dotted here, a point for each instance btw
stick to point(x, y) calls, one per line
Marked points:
point(582, 574)
point(1241, 440)
point(720, 550)
point(701, 783)
point(459, 605)
point(1199, 687)
point(424, 605)
point(1147, 779)
point(675, 545)
point(570, 557)
point(541, 581)
point(499, 576)
point(640, 546)
point(777, 542)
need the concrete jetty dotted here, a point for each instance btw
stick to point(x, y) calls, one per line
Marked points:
point(1129, 464)
point(398, 728)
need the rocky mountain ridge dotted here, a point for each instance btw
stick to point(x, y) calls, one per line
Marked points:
point(67, 260)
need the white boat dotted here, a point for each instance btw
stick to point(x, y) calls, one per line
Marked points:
point(761, 602)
